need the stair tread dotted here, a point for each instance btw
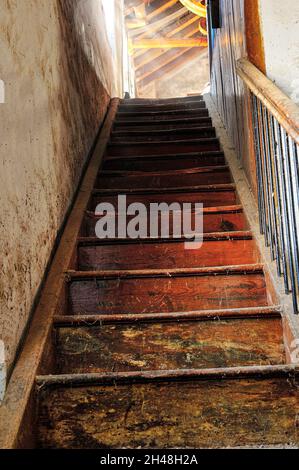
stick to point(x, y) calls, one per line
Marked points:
point(163, 100)
point(156, 345)
point(230, 221)
point(217, 175)
point(162, 130)
point(150, 291)
point(194, 413)
point(159, 113)
point(215, 251)
point(163, 134)
point(163, 346)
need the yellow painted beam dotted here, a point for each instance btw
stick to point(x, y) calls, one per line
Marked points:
point(195, 7)
point(168, 43)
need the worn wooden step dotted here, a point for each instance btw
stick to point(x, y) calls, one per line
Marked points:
point(169, 346)
point(164, 134)
point(162, 147)
point(241, 407)
point(171, 290)
point(143, 109)
point(164, 162)
point(165, 126)
point(161, 116)
point(213, 196)
point(216, 250)
point(166, 179)
point(215, 219)
point(161, 107)
point(154, 101)
point(163, 122)
point(273, 312)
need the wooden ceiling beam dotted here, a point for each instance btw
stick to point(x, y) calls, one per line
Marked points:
point(158, 64)
point(179, 62)
point(169, 43)
point(163, 6)
point(151, 55)
point(152, 28)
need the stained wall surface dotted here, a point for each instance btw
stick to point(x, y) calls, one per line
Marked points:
point(59, 72)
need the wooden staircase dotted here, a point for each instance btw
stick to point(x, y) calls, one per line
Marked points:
point(158, 346)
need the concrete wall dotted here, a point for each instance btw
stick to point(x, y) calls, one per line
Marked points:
point(57, 67)
point(280, 30)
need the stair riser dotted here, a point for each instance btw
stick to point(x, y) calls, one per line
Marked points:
point(150, 164)
point(150, 295)
point(208, 199)
point(169, 346)
point(198, 414)
point(211, 223)
point(173, 107)
point(169, 181)
point(124, 127)
point(153, 102)
point(165, 136)
point(161, 148)
point(166, 255)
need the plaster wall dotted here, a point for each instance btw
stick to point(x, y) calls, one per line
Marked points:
point(280, 30)
point(58, 71)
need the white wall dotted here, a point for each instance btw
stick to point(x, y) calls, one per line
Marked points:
point(280, 28)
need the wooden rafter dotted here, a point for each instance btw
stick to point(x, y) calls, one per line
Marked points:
point(169, 43)
point(158, 25)
point(151, 55)
point(178, 62)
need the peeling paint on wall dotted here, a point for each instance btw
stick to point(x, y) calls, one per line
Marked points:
point(58, 72)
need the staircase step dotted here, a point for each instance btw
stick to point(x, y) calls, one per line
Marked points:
point(166, 179)
point(169, 346)
point(217, 250)
point(217, 195)
point(160, 107)
point(238, 407)
point(150, 122)
point(163, 134)
point(153, 101)
point(164, 162)
point(161, 116)
point(215, 219)
point(123, 128)
point(127, 149)
point(171, 109)
point(171, 290)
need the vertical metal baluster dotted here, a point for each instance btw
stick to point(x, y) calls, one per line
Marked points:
point(291, 203)
point(269, 233)
point(269, 159)
point(286, 214)
point(263, 173)
point(260, 187)
point(281, 221)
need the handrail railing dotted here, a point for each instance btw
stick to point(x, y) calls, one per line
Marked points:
point(276, 136)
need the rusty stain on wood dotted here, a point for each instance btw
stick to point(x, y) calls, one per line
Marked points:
point(169, 346)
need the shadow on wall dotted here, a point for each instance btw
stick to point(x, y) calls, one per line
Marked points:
point(83, 97)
